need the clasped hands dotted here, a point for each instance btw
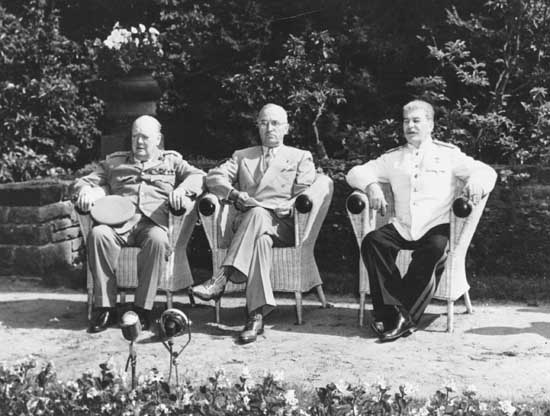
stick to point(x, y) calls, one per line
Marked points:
point(472, 191)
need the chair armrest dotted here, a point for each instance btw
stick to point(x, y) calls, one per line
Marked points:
point(86, 223)
point(310, 209)
point(463, 229)
point(216, 217)
point(183, 222)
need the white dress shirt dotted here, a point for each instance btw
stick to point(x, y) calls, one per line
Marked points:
point(423, 181)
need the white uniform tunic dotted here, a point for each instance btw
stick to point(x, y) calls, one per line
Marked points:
point(423, 181)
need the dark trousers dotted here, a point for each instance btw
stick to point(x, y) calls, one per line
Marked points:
point(413, 291)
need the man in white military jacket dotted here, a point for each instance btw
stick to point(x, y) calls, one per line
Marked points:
point(422, 176)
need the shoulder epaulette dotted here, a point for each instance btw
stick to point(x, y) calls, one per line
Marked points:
point(393, 149)
point(122, 153)
point(445, 144)
point(172, 153)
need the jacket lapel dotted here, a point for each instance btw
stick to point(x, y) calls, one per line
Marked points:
point(279, 162)
point(252, 163)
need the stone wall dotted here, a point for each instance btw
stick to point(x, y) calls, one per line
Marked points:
point(39, 233)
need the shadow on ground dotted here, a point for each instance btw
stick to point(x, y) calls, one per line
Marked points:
point(538, 328)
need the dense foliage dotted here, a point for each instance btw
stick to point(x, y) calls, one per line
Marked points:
point(26, 391)
point(342, 69)
point(48, 114)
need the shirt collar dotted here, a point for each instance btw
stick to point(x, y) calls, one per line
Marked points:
point(275, 150)
point(423, 146)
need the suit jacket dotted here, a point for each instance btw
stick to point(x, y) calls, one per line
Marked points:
point(147, 184)
point(290, 172)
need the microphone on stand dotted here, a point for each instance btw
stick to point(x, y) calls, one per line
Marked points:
point(173, 323)
point(131, 328)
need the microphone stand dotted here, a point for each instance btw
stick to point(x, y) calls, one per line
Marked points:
point(169, 345)
point(132, 358)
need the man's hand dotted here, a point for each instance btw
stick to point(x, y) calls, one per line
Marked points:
point(87, 197)
point(473, 192)
point(376, 197)
point(178, 199)
point(239, 199)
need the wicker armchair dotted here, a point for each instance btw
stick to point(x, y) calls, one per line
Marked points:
point(453, 283)
point(293, 268)
point(177, 274)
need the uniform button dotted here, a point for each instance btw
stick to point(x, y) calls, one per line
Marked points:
point(414, 190)
point(416, 166)
point(416, 175)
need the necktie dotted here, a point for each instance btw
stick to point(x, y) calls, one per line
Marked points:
point(268, 157)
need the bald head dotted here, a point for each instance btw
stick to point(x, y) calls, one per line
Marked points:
point(275, 110)
point(146, 138)
point(272, 125)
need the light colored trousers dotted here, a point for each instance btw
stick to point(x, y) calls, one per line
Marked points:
point(104, 246)
point(256, 231)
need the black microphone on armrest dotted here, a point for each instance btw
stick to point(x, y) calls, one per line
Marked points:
point(462, 207)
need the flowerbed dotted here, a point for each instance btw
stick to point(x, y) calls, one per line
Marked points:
point(27, 390)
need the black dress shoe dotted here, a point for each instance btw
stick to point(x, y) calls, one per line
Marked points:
point(212, 289)
point(103, 320)
point(145, 318)
point(378, 327)
point(404, 327)
point(254, 327)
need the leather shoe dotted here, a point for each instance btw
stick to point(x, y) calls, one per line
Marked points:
point(378, 327)
point(212, 288)
point(103, 320)
point(254, 327)
point(145, 318)
point(404, 327)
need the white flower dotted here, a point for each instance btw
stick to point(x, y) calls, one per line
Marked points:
point(382, 384)
point(246, 400)
point(408, 388)
point(290, 398)
point(161, 409)
point(142, 28)
point(279, 376)
point(133, 30)
point(506, 407)
point(91, 393)
point(245, 373)
point(154, 32)
point(483, 406)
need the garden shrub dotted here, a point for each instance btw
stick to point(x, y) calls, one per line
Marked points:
point(48, 112)
point(26, 391)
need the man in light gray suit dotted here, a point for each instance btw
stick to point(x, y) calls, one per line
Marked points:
point(263, 182)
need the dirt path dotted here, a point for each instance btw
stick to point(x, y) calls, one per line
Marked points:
point(502, 349)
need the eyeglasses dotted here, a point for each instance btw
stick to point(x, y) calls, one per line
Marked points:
point(273, 123)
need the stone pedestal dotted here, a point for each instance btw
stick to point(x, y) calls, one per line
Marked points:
point(126, 99)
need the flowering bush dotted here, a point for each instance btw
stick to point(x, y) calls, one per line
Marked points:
point(24, 391)
point(127, 51)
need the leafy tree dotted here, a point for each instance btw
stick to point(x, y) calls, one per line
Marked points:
point(491, 80)
point(303, 81)
point(48, 114)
